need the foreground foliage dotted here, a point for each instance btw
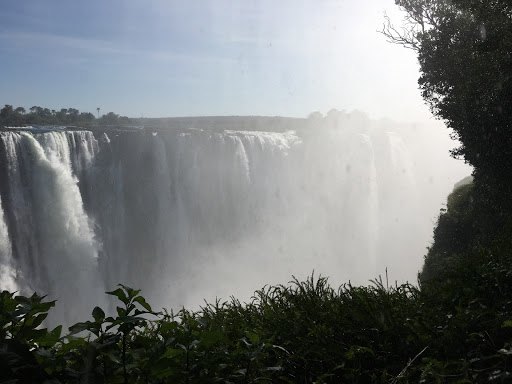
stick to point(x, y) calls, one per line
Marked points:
point(307, 332)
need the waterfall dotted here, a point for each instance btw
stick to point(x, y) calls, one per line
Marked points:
point(56, 251)
point(372, 204)
point(196, 214)
point(7, 273)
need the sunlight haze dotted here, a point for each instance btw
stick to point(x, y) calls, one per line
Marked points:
point(162, 58)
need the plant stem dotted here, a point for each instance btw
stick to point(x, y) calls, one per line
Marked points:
point(125, 374)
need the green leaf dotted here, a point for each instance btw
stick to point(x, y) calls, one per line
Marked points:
point(34, 334)
point(44, 307)
point(143, 303)
point(51, 338)
point(212, 337)
point(119, 293)
point(171, 352)
point(98, 314)
point(79, 327)
point(131, 292)
point(37, 320)
point(254, 337)
point(56, 331)
point(168, 326)
point(121, 312)
point(22, 299)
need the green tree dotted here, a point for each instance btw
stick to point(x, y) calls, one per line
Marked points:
point(39, 115)
point(20, 110)
point(464, 50)
point(86, 117)
point(61, 116)
point(72, 115)
point(36, 110)
point(10, 117)
point(109, 119)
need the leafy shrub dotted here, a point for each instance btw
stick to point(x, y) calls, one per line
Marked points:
point(303, 332)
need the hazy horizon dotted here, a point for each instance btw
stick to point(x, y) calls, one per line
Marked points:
point(179, 59)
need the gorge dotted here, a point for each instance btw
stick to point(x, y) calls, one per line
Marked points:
point(205, 210)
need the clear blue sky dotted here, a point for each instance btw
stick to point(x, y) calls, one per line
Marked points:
point(181, 58)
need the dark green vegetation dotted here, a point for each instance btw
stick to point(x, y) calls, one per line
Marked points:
point(464, 49)
point(303, 333)
point(455, 231)
point(16, 117)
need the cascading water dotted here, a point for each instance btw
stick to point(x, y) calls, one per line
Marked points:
point(55, 250)
point(7, 273)
point(192, 214)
